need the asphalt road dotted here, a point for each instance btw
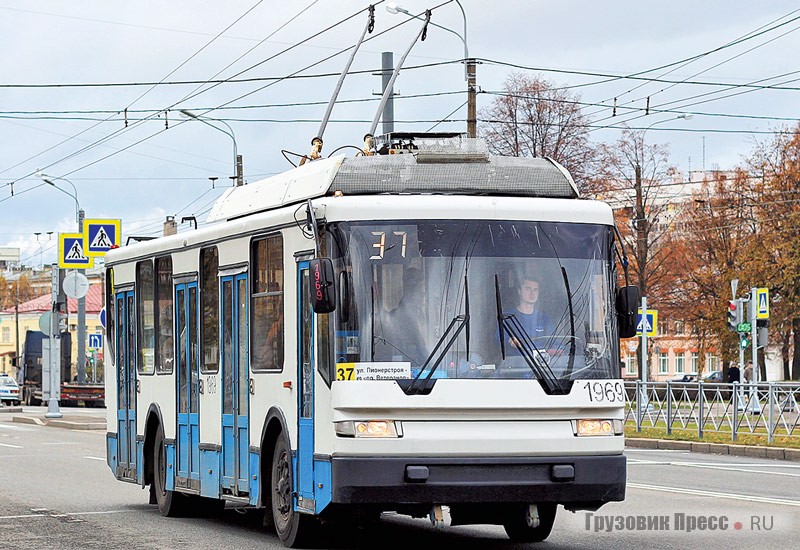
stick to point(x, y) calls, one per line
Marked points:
point(57, 492)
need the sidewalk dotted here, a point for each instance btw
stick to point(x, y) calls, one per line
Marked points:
point(778, 453)
point(68, 421)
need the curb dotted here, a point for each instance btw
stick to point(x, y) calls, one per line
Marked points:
point(777, 453)
point(11, 409)
point(60, 423)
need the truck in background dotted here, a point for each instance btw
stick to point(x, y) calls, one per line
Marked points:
point(30, 378)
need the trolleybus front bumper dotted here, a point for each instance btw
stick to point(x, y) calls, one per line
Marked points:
point(575, 481)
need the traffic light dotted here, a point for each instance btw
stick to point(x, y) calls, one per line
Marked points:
point(734, 314)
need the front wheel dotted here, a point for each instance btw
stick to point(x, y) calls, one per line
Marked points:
point(517, 527)
point(295, 530)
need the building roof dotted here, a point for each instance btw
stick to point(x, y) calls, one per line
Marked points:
point(94, 303)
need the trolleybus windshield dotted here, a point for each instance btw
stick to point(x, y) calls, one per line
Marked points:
point(401, 283)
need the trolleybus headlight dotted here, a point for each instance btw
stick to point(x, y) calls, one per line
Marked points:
point(368, 428)
point(590, 427)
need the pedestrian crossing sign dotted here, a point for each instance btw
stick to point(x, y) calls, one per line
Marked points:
point(71, 252)
point(101, 236)
point(647, 323)
point(762, 303)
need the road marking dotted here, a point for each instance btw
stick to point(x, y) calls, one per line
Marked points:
point(744, 468)
point(61, 443)
point(10, 445)
point(14, 428)
point(714, 494)
point(43, 513)
point(95, 458)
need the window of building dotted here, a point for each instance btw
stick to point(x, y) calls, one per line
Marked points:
point(6, 335)
point(165, 351)
point(632, 365)
point(209, 296)
point(266, 336)
point(695, 359)
point(712, 363)
point(663, 363)
point(680, 327)
point(680, 366)
point(145, 314)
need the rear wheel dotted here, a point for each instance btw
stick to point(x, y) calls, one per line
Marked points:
point(170, 503)
point(294, 529)
point(517, 527)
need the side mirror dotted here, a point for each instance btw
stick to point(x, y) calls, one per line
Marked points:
point(323, 285)
point(627, 310)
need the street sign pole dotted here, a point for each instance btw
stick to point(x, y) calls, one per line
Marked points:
point(755, 406)
point(55, 353)
point(643, 375)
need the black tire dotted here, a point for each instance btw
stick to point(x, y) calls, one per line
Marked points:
point(294, 529)
point(170, 503)
point(517, 527)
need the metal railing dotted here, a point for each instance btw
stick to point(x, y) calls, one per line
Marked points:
point(770, 409)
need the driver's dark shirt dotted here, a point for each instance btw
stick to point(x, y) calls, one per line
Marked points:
point(536, 325)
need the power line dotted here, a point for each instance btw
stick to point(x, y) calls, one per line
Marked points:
point(752, 34)
point(5, 114)
point(114, 134)
point(632, 77)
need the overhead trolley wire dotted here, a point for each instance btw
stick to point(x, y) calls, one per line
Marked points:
point(108, 137)
point(97, 142)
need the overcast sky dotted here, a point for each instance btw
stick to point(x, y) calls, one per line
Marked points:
point(160, 165)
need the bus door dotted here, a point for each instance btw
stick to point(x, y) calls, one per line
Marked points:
point(305, 376)
point(126, 385)
point(235, 385)
point(188, 369)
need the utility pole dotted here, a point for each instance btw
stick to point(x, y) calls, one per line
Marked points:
point(472, 92)
point(387, 67)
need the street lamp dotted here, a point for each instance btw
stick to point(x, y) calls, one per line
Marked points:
point(237, 159)
point(469, 64)
point(640, 225)
point(393, 7)
point(684, 116)
point(78, 212)
point(52, 407)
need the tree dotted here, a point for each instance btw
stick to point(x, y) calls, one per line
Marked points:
point(532, 118)
point(629, 176)
point(715, 235)
point(774, 260)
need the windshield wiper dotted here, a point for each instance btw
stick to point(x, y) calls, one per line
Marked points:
point(509, 324)
point(571, 363)
point(457, 324)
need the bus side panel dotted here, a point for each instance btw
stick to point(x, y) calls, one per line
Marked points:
point(255, 475)
point(323, 478)
point(171, 465)
point(209, 472)
point(140, 459)
point(111, 451)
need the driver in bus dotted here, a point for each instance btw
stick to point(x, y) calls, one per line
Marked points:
point(530, 315)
